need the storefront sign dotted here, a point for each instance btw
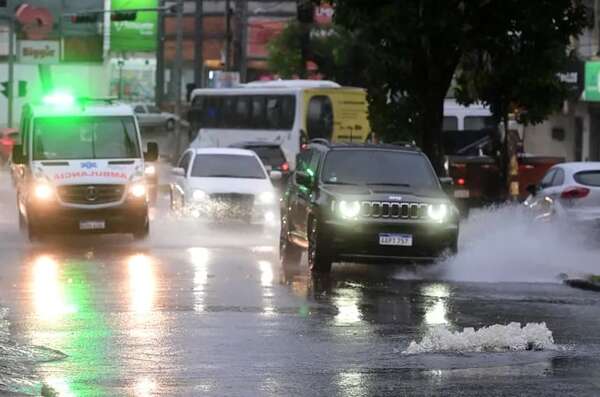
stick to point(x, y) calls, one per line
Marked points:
point(38, 51)
point(138, 35)
point(592, 81)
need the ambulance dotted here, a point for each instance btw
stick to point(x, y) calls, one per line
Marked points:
point(80, 168)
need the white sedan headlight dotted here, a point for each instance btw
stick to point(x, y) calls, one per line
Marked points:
point(438, 212)
point(349, 209)
point(266, 198)
point(199, 195)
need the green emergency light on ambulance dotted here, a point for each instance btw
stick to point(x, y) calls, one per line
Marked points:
point(80, 168)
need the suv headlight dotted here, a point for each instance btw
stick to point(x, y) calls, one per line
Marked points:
point(349, 209)
point(438, 212)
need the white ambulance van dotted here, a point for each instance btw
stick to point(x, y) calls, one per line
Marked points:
point(80, 168)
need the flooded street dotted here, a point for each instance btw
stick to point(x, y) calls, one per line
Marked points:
point(208, 310)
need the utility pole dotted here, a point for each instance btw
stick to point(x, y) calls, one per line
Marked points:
point(11, 69)
point(199, 45)
point(242, 7)
point(178, 62)
point(159, 90)
point(227, 35)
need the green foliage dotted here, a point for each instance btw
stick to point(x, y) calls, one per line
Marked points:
point(285, 56)
point(415, 48)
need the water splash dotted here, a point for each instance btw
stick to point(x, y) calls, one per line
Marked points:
point(495, 338)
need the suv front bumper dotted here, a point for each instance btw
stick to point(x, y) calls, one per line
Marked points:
point(359, 241)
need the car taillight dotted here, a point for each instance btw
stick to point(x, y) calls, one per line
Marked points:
point(575, 193)
point(6, 142)
point(460, 181)
point(285, 167)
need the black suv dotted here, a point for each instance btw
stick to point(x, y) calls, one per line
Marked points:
point(365, 203)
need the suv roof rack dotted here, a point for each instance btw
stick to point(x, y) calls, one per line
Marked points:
point(321, 141)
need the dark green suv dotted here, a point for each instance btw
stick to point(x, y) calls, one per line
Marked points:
point(365, 203)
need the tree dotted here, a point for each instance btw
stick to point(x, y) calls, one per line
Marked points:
point(337, 54)
point(515, 69)
point(417, 46)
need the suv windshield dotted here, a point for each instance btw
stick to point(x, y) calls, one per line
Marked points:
point(71, 138)
point(378, 167)
point(227, 166)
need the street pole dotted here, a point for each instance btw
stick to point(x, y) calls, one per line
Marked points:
point(227, 36)
point(178, 61)
point(159, 89)
point(199, 45)
point(11, 69)
point(176, 75)
point(243, 15)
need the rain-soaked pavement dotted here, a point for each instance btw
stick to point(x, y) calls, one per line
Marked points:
point(199, 310)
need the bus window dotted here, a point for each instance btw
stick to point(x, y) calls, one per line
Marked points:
point(242, 112)
point(258, 112)
point(211, 112)
point(319, 118)
point(478, 122)
point(450, 123)
point(228, 119)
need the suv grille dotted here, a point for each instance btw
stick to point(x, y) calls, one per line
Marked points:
point(392, 209)
point(91, 194)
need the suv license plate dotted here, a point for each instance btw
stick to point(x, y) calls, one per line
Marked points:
point(461, 193)
point(92, 225)
point(403, 240)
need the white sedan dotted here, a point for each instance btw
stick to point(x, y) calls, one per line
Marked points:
point(570, 192)
point(224, 184)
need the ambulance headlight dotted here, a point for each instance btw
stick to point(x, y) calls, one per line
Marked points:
point(138, 190)
point(43, 191)
point(438, 212)
point(349, 209)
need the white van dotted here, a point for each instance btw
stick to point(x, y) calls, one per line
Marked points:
point(80, 168)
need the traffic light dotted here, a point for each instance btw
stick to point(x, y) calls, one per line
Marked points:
point(123, 16)
point(6, 89)
point(22, 89)
point(85, 18)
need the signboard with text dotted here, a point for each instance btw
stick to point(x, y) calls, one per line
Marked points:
point(138, 35)
point(38, 51)
point(592, 81)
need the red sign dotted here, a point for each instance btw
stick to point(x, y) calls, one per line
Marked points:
point(37, 22)
point(260, 32)
point(324, 14)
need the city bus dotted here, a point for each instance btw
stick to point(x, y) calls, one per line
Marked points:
point(288, 112)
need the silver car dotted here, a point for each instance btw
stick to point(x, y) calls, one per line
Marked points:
point(151, 116)
point(568, 191)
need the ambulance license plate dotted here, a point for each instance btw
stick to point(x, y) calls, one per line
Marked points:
point(92, 225)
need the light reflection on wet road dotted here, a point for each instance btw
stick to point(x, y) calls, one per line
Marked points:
point(209, 311)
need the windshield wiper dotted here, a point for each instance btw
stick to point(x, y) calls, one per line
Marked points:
point(388, 184)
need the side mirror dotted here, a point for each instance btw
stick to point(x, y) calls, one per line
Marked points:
point(17, 155)
point(532, 189)
point(303, 179)
point(178, 171)
point(275, 175)
point(151, 152)
point(447, 184)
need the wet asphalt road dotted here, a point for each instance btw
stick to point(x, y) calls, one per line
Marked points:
point(204, 310)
